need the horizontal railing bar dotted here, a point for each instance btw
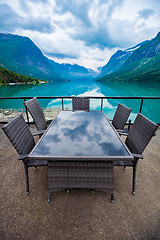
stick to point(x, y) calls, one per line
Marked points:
point(64, 97)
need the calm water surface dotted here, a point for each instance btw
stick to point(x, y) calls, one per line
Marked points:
point(151, 108)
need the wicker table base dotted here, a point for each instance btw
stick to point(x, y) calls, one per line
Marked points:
point(92, 175)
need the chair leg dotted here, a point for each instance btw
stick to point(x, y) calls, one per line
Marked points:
point(27, 178)
point(49, 197)
point(112, 198)
point(68, 191)
point(134, 176)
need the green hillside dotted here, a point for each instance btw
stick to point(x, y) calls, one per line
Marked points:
point(21, 55)
point(146, 71)
point(143, 65)
point(7, 76)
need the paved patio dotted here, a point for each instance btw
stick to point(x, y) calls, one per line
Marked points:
point(80, 215)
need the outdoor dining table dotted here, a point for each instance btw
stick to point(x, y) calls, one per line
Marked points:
point(81, 147)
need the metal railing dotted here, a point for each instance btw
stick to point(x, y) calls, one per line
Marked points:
point(91, 97)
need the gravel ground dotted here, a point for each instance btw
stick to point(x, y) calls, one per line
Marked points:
point(80, 215)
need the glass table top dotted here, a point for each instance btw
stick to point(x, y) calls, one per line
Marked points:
point(80, 133)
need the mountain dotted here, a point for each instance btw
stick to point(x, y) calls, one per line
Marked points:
point(7, 76)
point(117, 60)
point(93, 72)
point(73, 72)
point(21, 55)
point(142, 65)
point(99, 69)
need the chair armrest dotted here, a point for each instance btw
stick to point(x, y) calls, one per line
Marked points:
point(137, 155)
point(23, 157)
point(38, 133)
point(118, 130)
point(121, 132)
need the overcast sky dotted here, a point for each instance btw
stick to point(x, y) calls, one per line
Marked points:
point(86, 32)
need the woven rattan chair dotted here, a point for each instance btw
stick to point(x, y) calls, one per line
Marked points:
point(120, 118)
point(37, 114)
point(20, 136)
point(81, 103)
point(137, 139)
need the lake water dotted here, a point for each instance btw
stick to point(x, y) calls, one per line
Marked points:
point(151, 108)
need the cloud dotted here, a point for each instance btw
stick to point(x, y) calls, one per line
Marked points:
point(84, 32)
point(90, 17)
point(58, 55)
point(146, 13)
point(76, 8)
point(10, 20)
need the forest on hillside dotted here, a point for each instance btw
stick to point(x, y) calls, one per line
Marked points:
point(7, 76)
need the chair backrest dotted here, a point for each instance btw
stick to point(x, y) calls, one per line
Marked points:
point(81, 103)
point(19, 134)
point(36, 112)
point(140, 134)
point(121, 115)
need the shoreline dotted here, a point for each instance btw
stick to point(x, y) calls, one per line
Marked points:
point(6, 115)
point(23, 83)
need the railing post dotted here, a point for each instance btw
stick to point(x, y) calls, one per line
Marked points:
point(27, 113)
point(140, 110)
point(129, 125)
point(101, 104)
point(62, 104)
